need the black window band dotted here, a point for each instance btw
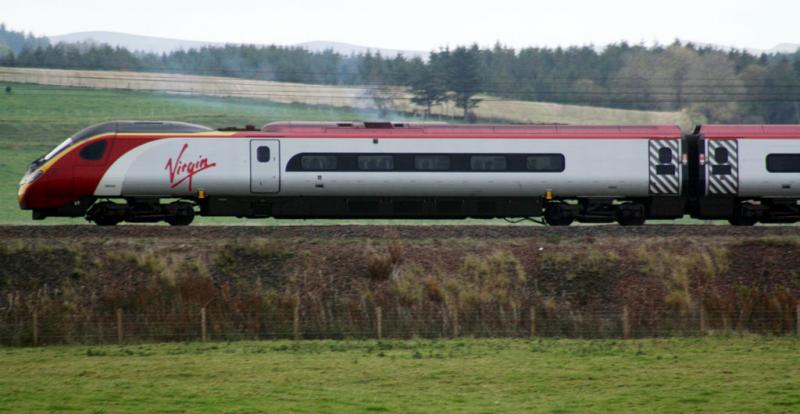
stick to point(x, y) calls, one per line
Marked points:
point(409, 162)
point(783, 163)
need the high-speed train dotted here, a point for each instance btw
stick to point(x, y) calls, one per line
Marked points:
point(135, 171)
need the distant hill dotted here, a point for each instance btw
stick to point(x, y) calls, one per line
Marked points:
point(152, 44)
point(132, 42)
point(784, 48)
point(347, 48)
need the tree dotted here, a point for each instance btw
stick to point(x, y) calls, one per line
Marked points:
point(463, 77)
point(497, 65)
point(711, 89)
point(783, 103)
point(5, 50)
point(427, 83)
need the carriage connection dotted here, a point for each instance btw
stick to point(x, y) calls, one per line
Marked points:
point(134, 171)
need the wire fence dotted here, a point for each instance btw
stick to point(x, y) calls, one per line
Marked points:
point(33, 328)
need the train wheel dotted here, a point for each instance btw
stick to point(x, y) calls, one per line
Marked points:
point(105, 214)
point(741, 218)
point(631, 221)
point(558, 215)
point(179, 221)
point(631, 214)
point(107, 221)
point(743, 221)
point(183, 215)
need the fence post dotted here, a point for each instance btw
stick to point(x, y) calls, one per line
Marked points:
point(626, 323)
point(456, 328)
point(702, 319)
point(203, 326)
point(379, 322)
point(533, 321)
point(35, 327)
point(296, 322)
point(119, 326)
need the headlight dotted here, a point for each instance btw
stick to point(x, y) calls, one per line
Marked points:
point(29, 178)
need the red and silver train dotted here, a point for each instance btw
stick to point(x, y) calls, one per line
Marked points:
point(168, 171)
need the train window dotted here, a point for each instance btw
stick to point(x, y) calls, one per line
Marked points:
point(665, 155)
point(262, 154)
point(318, 162)
point(488, 162)
point(432, 162)
point(94, 151)
point(721, 169)
point(375, 162)
point(721, 155)
point(545, 163)
point(783, 163)
point(665, 169)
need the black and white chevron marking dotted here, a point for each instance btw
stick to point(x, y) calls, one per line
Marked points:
point(668, 184)
point(723, 184)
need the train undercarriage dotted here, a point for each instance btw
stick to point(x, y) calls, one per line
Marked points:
point(555, 212)
point(109, 213)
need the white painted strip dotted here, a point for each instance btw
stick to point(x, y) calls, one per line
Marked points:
point(727, 186)
point(658, 185)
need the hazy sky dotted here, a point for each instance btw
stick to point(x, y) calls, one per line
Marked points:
point(421, 24)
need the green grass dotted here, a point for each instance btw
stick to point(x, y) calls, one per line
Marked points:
point(736, 374)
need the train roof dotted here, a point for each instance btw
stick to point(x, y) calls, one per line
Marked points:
point(138, 127)
point(443, 129)
point(748, 131)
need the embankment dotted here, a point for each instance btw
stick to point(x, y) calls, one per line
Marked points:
point(82, 284)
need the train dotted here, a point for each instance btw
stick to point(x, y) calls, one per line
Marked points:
point(147, 171)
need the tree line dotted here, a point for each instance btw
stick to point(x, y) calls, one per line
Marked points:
point(15, 42)
point(712, 84)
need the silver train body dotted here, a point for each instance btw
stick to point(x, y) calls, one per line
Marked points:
point(744, 174)
point(592, 168)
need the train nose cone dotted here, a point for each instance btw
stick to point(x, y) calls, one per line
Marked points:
point(21, 196)
point(24, 191)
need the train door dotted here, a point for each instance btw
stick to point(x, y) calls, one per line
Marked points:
point(722, 167)
point(265, 169)
point(665, 171)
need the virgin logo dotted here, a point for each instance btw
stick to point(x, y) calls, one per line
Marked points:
point(180, 170)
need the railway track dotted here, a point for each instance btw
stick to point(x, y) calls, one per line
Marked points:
point(407, 232)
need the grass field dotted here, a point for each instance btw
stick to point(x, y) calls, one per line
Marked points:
point(734, 374)
point(339, 96)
